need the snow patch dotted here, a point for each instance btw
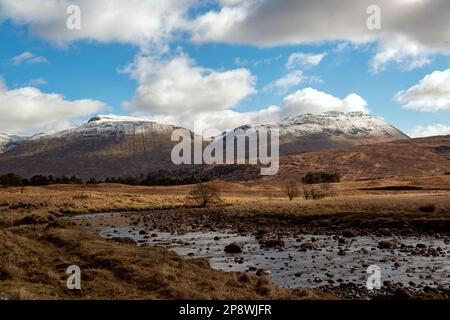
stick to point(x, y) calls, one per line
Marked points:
point(353, 124)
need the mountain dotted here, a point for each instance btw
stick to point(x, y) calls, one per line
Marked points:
point(413, 157)
point(330, 130)
point(8, 142)
point(104, 146)
point(112, 146)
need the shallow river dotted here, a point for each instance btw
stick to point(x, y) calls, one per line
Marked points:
point(292, 267)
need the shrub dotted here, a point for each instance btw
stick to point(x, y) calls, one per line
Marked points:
point(428, 209)
point(39, 180)
point(292, 190)
point(14, 180)
point(93, 181)
point(321, 177)
point(204, 194)
point(11, 180)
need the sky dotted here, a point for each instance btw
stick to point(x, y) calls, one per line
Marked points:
point(223, 63)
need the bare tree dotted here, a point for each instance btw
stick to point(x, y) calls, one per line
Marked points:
point(292, 190)
point(204, 194)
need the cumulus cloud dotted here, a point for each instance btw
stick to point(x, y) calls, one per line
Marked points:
point(306, 60)
point(28, 57)
point(431, 94)
point(430, 131)
point(293, 78)
point(179, 86)
point(28, 110)
point(139, 22)
point(310, 100)
point(179, 92)
point(411, 30)
point(222, 120)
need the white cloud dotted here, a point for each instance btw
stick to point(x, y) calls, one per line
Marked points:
point(293, 78)
point(28, 110)
point(139, 22)
point(431, 94)
point(222, 120)
point(411, 30)
point(407, 54)
point(303, 101)
point(310, 100)
point(178, 91)
point(430, 131)
point(178, 86)
point(306, 60)
point(28, 57)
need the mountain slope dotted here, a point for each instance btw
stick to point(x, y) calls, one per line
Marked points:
point(111, 146)
point(330, 130)
point(8, 142)
point(413, 157)
point(105, 146)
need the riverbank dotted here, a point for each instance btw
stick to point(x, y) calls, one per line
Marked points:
point(38, 245)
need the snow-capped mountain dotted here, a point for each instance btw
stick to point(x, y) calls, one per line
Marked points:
point(104, 146)
point(353, 124)
point(8, 142)
point(330, 130)
point(115, 146)
point(110, 125)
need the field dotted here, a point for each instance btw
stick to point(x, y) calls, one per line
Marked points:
point(38, 245)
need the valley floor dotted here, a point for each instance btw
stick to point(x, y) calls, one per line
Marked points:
point(38, 243)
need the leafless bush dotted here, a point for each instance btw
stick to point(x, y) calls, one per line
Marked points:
point(292, 190)
point(203, 195)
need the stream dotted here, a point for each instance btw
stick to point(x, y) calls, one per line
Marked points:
point(415, 263)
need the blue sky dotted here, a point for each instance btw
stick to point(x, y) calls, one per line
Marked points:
point(95, 69)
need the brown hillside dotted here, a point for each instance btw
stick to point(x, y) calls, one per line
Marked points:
point(415, 157)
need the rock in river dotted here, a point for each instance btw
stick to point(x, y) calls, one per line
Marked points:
point(272, 243)
point(387, 245)
point(349, 233)
point(263, 272)
point(235, 247)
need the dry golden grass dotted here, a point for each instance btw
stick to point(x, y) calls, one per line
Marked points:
point(34, 258)
point(104, 197)
point(36, 248)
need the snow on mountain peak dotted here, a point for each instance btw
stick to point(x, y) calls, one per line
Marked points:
point(9, 142)
point(111, 125)
point(333, 123)
point(115, 118)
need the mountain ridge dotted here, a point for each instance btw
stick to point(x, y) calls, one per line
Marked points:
point(329, 130)
point(113, 146)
